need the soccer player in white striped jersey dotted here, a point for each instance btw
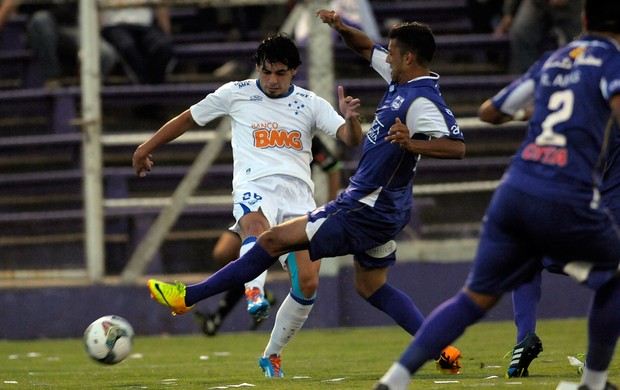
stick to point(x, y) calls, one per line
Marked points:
point(273, 123)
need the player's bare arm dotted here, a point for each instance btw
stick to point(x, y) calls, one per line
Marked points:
point(351, 132)
point(444, 147)
point(353, 38)
point(489, 113)
point(142, 159)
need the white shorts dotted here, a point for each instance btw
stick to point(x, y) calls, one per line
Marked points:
point(280, 198)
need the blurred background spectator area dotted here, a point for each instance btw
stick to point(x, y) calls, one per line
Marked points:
point(211, 42)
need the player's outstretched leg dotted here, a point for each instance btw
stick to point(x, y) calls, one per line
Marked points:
point(445, 324)
point(171, 295)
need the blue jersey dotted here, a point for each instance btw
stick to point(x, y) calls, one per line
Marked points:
point(563, 155)
point(547, 205)
point(383, 180)
point(384, 175)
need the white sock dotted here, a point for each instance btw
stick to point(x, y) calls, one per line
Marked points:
point(260, 280)
point(290, 318)
point(595, 380)
point(397, 377)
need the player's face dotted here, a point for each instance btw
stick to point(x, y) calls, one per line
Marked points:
point(395, 59)
point(275, 78)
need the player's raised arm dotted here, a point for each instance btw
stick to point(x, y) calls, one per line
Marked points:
point(351, 132)
point(353, 38)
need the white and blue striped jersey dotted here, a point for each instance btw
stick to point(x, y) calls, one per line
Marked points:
point(270, 136)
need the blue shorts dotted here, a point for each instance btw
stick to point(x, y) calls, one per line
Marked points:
point(345, 226)
point(520, 229)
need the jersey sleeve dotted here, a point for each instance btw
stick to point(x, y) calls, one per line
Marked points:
point(426, 117)
point(327, 119)
point(214, 105)
point(377, 61)
point(520, 93)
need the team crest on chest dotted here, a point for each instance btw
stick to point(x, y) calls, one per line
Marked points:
point(397, 102)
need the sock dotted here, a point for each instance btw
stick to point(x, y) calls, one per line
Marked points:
point(603, 326)
point(259, 282)
point(291, 316)
point(525, 300)
point(397, 377)
point(444, 325)
point(595, 380)
point(399, 306)
point(245, 268)
point(230, 300)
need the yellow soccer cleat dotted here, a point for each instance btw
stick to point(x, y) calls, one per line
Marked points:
point(450, 361)
point(171, 295)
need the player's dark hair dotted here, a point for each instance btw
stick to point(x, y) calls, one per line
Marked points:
point(277, 48)
point(603, 15)
point(415, 37)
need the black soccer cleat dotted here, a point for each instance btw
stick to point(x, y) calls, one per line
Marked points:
point(523, 354)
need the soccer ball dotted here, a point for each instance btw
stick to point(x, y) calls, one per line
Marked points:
point(109, 339)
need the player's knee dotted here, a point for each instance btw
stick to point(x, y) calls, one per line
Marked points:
point(268, 241)
point(484, 301)
point(309, 287)
point(364, 288)
point(273, 242)
point(368, 281)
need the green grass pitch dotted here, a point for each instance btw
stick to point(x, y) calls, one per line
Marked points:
point(344, 358)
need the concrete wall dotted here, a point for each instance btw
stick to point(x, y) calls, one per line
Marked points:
point(30, 313)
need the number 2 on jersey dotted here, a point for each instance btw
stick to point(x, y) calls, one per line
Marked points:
point(561, 103)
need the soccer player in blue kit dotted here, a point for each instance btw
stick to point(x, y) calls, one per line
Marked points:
point(411, 121)
point(548, 204)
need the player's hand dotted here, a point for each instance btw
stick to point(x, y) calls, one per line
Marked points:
point(142, 163)
point(330, 18)
point(348, 105)
point(398, 134)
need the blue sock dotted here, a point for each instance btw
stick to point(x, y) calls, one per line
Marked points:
point(525, 300)
point(603, 326)
point(242, 270)
point(399, 306)
point(444, 325)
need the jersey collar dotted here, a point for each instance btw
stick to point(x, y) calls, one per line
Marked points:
point(288, 93)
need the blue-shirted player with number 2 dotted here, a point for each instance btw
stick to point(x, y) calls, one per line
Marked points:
point(548, 204)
